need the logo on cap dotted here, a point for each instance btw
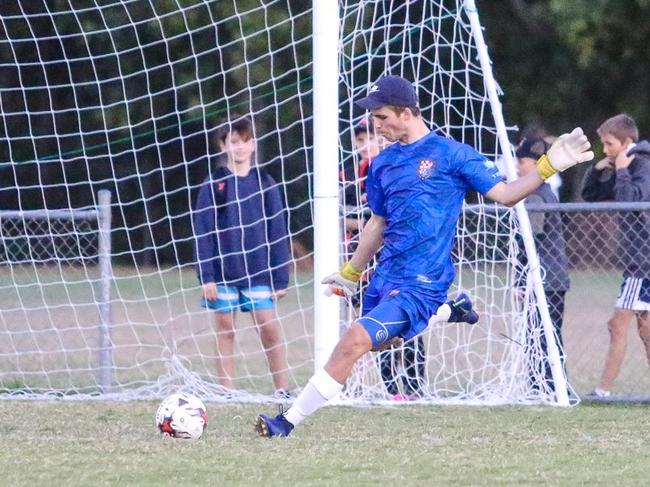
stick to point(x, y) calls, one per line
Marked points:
point(373, 89)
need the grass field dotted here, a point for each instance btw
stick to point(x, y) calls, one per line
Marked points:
point(106, 443)
point(115, 443)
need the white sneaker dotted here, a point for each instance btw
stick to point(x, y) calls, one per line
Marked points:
point(599, 393)
point(283, 395)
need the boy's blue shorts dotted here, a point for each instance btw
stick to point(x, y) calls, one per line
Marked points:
point(231, 298)
point(397, 309)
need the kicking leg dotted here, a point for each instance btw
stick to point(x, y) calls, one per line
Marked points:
point(458, 310)
point(384, 322)
point(323, 386)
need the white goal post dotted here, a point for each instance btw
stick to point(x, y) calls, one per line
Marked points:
point(559, 378)
point(130, 96)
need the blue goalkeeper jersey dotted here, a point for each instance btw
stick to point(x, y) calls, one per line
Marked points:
point(419, 189)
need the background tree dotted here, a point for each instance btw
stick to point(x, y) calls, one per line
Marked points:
point(166, 72)
point(565, 63)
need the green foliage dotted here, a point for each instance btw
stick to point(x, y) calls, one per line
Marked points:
point(568, 63)
point(164, 72)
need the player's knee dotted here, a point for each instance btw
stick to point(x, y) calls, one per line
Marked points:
point(643, 324)
point(355, 342)
point(270, 334)
point(227, 334)
point(616, 327)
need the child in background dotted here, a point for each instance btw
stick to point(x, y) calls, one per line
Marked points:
point(243, 251)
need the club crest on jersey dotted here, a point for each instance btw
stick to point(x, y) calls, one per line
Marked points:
point(426, 168)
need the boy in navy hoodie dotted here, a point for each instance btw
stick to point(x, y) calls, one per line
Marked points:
point(243, 250)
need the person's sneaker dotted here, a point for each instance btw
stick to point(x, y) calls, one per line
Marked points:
point(598, 394)
point(401, 398)
point(283, 395)
point(268, 427)
point(461, 310)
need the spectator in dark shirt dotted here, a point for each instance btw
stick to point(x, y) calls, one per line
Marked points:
point(624, 175)
point(243, 250)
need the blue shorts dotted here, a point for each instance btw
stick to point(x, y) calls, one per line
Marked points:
point(397, 309)
point(231, 298)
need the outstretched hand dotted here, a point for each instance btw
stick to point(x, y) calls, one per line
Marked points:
point(569, 150)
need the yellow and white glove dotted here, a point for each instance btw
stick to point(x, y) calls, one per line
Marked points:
point(567, 151)
point(344, 282)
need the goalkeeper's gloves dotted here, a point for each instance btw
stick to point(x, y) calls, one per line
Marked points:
point(344, 282)
point(567, 151)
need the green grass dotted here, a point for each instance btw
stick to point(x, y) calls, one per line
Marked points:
point(106, 443)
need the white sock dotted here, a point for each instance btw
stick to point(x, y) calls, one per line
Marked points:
point(442, 315)
point(320, 389)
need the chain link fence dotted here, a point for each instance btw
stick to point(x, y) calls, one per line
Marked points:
point(55, 288)
point(42, 237)
point(585, 251)
point(604, 243)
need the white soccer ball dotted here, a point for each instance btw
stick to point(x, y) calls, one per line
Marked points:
point(182, 416)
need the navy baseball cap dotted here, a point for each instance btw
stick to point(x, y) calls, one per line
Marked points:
point(389, 90)
point(533, 147)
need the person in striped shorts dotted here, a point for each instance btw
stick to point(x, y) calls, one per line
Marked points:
point(624, 175)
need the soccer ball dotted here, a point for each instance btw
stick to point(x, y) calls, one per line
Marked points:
point(182, 416)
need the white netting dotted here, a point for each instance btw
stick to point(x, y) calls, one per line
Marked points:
point(124, 96)
point(500, 359)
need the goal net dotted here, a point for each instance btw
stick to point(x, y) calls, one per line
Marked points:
point(127, 97)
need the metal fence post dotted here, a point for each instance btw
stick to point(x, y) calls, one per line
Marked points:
point(104, 294)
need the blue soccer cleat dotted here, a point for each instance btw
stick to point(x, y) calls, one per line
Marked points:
point(461, 310)
point(268, 427)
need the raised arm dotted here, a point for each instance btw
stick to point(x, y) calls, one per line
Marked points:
point(511, 193)
point(633, 185)
point(567, 151)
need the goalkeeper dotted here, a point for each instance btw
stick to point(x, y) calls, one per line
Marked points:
point(415, 189)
